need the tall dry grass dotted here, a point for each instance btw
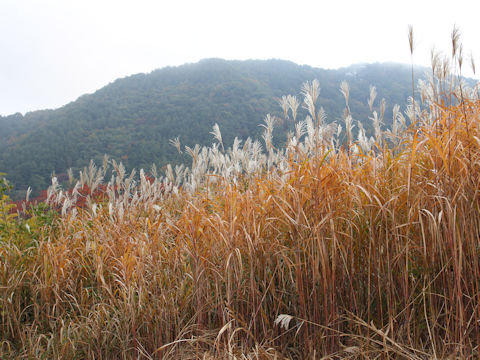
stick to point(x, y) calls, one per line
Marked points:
point(366, 250)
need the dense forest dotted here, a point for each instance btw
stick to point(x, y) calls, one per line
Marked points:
point(132, 119)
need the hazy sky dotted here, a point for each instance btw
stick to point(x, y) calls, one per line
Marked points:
point(52, 51)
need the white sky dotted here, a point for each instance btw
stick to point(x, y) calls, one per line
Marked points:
point(52, 51)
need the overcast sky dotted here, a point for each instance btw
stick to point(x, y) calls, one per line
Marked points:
point(53, 51)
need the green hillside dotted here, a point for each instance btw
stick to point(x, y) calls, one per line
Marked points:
point(132, 119)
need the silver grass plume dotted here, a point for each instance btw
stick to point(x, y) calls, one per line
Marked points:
point(309, 104)
point(70, 176)
point(312, 133)
point(383, 105)
point(345, 90)
point(376, 126)
point(328, 132)
point(120, 174)
point(348, 129)
point(321, 116)
point(176, 144)
point(373, 95)
point(53, 191)
point(339, 130)
point(82, 178)
point(284, 104)
point(364, 143)
point(434, 60)
point(398, 125)
point(455, 40)
point(300, 129)
point(194, 153)
point(475, 91)
point(130, 182)
point(310, 91)
point(293, 104)
point(426, 92)
point(97, 181)
point(105, 164)
point(256, 149)
point(396, 112)
point(92, 173)
point(247, 145)
point(412, 109)
point(154, 171)
point(235, 151)
point(472, 63)
point(179, 171)
point(268, 132)
point(144, 188)
point(67, 203)
point(75, 192)
point(217, 135)
point(460, 57)
point(27, 196)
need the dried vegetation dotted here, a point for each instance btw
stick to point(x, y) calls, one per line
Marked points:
point(330, 248)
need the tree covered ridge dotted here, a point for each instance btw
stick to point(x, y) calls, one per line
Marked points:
point(132, 119)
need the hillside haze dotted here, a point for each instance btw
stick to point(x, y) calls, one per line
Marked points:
point(132, 119)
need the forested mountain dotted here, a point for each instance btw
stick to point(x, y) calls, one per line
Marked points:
point(132, 119)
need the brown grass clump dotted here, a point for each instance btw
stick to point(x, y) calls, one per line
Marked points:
point(318, 251)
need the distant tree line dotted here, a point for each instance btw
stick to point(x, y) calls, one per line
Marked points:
point(132, 119)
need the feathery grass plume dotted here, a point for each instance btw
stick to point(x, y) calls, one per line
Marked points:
point(326, 135)
point(105, 165)
point(154, 171)
point(376, 126)
point(70, 176)
point(372, 97)
point(27, 196)
point(91, 174)
point(383, 105)
point(364, 143)
point(293, 105)
point(310, 92)
point(300, 129)
point(472, 63)
point(268, 132)
point(460, 57)
point(321, 116)
point(455, 38)
point(176, 143)
point(434, 79)
point(217, 135)
point(345, 90)
point(283, 320)
point(52, 191)
point(398, 126)
point(284, 104)
point(235, 151)
point(81, 177)
point(412, 44)
point(434, 60)
point(194, 153)
point(312, 133)
point(348, 129)
point(411, 39)
point(412, 109)
point(426, 92)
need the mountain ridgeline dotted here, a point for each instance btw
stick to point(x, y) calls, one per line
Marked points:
point(132, 119)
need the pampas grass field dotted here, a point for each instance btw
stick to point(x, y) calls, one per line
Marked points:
point(337, 246)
